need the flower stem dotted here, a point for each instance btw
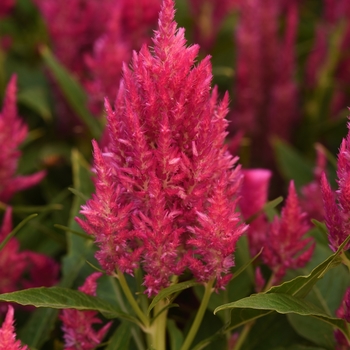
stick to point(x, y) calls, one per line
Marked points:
point(143, 318)
point(198, 319)
point(157, 338)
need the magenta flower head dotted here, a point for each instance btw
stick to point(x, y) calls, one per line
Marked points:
point(337, 206)
point(254, 195)
point(7, 333)
point(12, 134)
point(6, 7)
point(78, 325)
point(166, 188)
point(285, 246)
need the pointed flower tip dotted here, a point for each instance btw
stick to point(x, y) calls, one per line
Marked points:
point(7, 333)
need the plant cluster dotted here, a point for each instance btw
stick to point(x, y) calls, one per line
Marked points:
point(212, 210)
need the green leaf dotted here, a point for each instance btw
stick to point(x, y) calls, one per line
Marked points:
point(80, 249)
point(16, 229)
point(175, 335)
point(286, 304)
point(36, 332)
point(166, 292)
point(298, 288)
point(120, 338)
point(301, 286)
point(73, 92)
point(64, 298)
point(291, 164)
point(317, 331)
point(36, 99)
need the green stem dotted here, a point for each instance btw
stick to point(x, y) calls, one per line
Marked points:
point(198, 320)
point(242, 337)
point(135, 306)
point(345, 260)
point(157, 337)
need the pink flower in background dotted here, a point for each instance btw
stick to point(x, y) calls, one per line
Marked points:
point(265, 89)
point(166, 188)
point(23, 269)
point(337, 206)
point(7, 333)
point(254, 195)
point(6, 7)
point(12, 133)
point(77, 327)
point(285, 245)
point(344, 313)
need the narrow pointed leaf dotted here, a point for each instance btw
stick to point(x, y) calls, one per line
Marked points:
point(166, 292)
point(64, 298)
point(16, 229)
point(73, 92)
point(301, 286)
point(120, 338)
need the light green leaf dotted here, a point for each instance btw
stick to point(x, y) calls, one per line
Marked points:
point(291, 164)
point(36, 99)
point(73, 92)
point(175, 335)
point(64, 298)
point(286, 304)
point(120, 338)
point(167, 292)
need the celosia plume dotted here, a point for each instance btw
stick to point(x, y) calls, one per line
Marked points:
point(337, 206)
point(12, 134)
point(254, 195)
point(265, 88)
point(166, 188)
point(7, 333)
point(285, 245)
point(77, 327)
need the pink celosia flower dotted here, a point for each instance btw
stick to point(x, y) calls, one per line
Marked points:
point(166, 189)
point(254, 194)
point(12, 134)
point(285, 245)
point(22, 269)
point(337, 207)
point(265, 89)
point(79, 333)
point(343, 312)
point(6, 6)
point(7, 333)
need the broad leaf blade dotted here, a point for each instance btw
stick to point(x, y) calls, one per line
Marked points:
point(120, 338)
point(64, 298)
point(286, 304)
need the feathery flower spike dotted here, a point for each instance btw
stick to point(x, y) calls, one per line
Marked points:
point(77, 325)
point(285, 245)
point(166, 187)
point(12, 134)
point(254, 194)
point(337, 206)
point(7, 333)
